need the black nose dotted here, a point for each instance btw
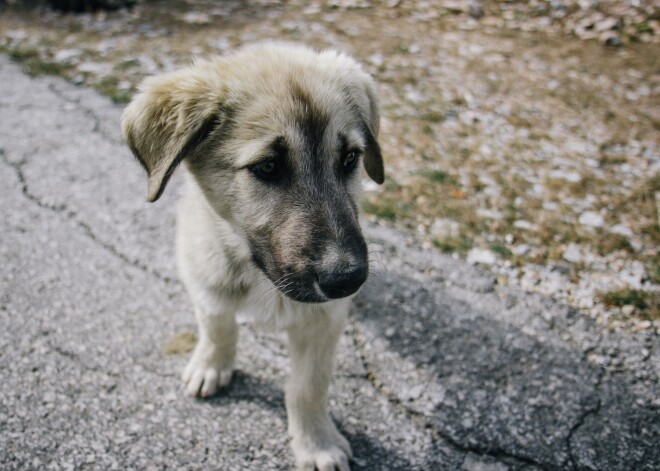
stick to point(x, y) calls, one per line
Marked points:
point(341, 283)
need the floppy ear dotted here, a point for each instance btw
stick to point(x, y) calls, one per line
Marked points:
point(170, 117)
point(367, 103)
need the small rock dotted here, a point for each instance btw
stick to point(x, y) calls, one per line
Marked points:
point(489, 213)
point(561, 268)
point(414, 392)
point(591, 219)
point(222, 44)
point(572, 177)
point(483, 256)
point(611, 38)
point(522, 224)
point(628, 310)
point(377, 59)
point(553, 84)
point(67, 55)
point(601, 360)
point(96, 68)
point(475, 10)
point(521, 249)
point(621, 230)
point(606, 24)
point(454, 6)
point(445, 228)
point(633, 274)
point(642, 326)
point(196, 18)
point(413, 94)
point(572, 253)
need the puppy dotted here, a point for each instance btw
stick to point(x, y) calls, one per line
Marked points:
point(272, 138)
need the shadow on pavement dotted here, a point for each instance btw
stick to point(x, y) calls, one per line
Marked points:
point(494, 389)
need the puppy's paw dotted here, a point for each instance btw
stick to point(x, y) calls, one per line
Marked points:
point(324, 451)
point(204, 381)
point(206, 372)
point(330, 459)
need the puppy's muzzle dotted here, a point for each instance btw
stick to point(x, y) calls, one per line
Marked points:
point(343, 282)
point(344, 265)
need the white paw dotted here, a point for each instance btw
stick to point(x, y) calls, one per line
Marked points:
point(327, 451)
point(330, 459)
point(205, 374)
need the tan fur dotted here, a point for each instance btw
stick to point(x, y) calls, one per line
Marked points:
point(245, 245)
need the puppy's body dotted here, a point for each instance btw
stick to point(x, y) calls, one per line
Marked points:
point(271, 138)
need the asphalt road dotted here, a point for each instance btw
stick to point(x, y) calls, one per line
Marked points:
point(440, 368)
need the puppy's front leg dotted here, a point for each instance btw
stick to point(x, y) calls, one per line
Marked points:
point(316, 442)
point(212, 360)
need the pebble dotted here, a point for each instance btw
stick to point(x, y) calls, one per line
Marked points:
point(591, 219)
point(482, 256)
point(573, 177)
point(633, 274)
point(442, 228)
point(97, 68)
point(489, 213)
point(628, 310)
point(67, 55)
point(521, 249)
point(522, 224)
point(621, 230)
point(196, 18)
point(572, 253)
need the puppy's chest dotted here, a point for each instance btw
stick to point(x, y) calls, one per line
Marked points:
point(264, 306)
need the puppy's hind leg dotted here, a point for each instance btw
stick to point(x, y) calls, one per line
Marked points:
point(316, 442)
point(212, 361)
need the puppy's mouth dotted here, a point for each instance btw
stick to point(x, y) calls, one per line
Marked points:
point(304, 290)
point(317, 287)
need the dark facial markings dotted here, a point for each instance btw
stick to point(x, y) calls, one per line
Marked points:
point(273, 167)
point(348, 156)
point(313, 233)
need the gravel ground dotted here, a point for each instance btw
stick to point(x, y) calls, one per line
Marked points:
point(523, 136)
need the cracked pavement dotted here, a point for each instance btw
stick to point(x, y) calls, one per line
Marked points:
point(439, 368)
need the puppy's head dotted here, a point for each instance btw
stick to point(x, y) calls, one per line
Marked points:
point(274, 135)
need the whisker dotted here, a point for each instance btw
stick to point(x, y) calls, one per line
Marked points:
point(280, 284)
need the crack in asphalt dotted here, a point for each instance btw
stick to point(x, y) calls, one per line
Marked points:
point(419, 418)
point(89, 112)
point(73, 216)
point(589, 411)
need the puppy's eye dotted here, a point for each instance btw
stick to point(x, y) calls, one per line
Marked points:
point(350, 160)
point(266, 170)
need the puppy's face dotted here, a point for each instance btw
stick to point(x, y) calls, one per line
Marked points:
point(277, 145)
